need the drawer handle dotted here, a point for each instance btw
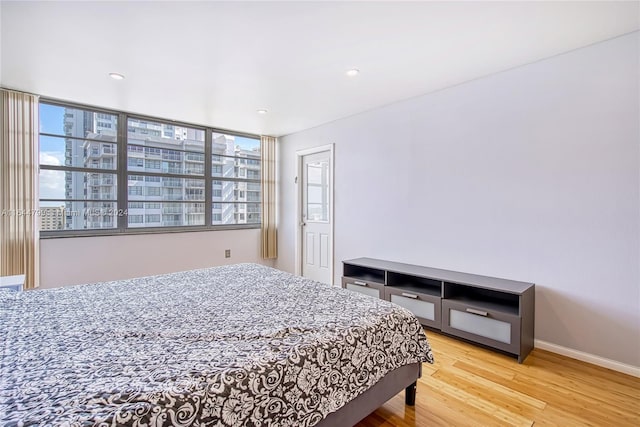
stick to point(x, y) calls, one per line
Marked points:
point(359, 283)
point(405, 294)
point(478, 312)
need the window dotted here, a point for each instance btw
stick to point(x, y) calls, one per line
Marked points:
point(152, 218)
point(136, 191)
point(174, 190)
point(73, 146)
point(174, 170)
point(153, 191)
point(136, 219)
point(175, 175)
point(135, 163)
point(236, 164)
point(152, 164)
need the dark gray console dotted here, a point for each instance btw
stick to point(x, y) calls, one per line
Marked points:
point(494, 312)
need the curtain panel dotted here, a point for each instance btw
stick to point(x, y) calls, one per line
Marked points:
point(19, 219)
point(268, 228)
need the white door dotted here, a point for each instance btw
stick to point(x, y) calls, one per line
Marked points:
point(316, 216)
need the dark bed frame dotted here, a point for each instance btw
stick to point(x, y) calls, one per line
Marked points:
point(391, 384)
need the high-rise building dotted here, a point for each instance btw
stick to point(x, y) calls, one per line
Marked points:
point(244, 164)
point(52, 218)
point(165, 150)
point(90, 144)
point(156, 151)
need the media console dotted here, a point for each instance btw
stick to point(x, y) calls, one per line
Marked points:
point(494, 312)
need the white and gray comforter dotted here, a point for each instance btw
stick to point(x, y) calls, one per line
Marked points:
point(226, 346)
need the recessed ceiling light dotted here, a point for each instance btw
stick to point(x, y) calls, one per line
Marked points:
point(353, 72)
point(116, 76)
point(262, 111)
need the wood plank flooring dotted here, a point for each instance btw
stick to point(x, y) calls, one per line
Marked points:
point(472, 386)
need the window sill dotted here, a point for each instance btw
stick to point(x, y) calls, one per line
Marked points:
point(128, 232)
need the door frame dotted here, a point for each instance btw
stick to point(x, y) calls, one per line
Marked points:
point(299, 162)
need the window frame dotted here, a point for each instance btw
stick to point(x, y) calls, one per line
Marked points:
point(121, 173)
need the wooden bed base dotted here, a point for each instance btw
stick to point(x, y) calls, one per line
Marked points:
point(390, 385)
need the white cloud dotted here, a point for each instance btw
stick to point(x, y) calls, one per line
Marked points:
point(51, 182)
point(54, 158)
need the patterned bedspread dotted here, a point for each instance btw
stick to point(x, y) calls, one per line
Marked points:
point(227, 346)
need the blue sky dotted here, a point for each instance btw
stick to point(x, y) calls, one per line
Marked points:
point(51, 118)
point(247, 142)
point(51, 121)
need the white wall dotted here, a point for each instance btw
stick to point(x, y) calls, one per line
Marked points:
point(78, 260)
point(531, 174)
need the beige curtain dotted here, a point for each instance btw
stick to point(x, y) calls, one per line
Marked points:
point(19, 240)
point(269, 232)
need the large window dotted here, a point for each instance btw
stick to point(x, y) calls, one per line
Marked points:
point(154, 174)
point(166, 169)
point(78, 174)
point(235, 191)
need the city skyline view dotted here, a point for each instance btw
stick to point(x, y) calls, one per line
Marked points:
point(166, 172)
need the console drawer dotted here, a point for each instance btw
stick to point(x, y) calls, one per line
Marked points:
point(366, 287)
point(476, 323)
point(424, 306)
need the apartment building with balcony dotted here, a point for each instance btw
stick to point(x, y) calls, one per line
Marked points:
point(51, 218)
point(166, 182)
point(90, 143)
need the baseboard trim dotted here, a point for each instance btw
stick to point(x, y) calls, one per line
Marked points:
point(589, 358)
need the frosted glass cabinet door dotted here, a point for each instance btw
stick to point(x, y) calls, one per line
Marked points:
point(425, 307)
point(496, 329)
point(483, 326)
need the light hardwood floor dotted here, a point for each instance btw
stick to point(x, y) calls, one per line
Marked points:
point(472, 386)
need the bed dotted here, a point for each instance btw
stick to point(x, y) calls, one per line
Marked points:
point(235, 345)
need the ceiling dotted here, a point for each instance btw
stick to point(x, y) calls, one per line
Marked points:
point(216, 63)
